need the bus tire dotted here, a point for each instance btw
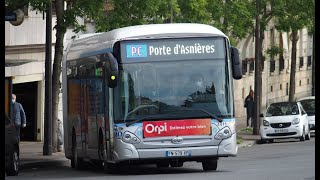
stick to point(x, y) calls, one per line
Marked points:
point(163, 165)
point(110, 168)
point(76, 162)
point(210, 165)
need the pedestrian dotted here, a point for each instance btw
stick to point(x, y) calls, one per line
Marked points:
point(249, 104)
point(18, 115)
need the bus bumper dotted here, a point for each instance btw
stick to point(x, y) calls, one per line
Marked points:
point(125, 151)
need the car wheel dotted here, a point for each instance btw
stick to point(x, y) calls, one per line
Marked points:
point(210, 165)
point(307, 137)
point(13, 169)
point(262, 141)
point(302, 138)
point(271, 140)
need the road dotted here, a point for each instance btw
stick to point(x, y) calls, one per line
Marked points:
point(285, 160)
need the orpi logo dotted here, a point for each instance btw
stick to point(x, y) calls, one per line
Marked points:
point(150, 128)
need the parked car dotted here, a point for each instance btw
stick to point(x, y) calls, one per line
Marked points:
point(284, 120)
point(11, 148)
point(308, 104)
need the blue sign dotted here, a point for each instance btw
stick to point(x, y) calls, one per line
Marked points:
point(137, 50)
point(10, 16)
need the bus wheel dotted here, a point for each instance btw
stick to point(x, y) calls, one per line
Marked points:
point(210, 165)
point(110, 168)
point(162, 165)
point(176, 164)
point(76, 162)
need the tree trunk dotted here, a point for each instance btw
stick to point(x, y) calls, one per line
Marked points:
point(294, 39)
point(56, 84)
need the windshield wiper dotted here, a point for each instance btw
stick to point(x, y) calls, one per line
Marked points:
point(202, 110)
point(129, 123)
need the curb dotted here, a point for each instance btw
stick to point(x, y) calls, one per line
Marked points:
point(43, 164)
point(247, 144)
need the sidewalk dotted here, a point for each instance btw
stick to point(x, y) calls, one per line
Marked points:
point(248, 138)
point(31, 156)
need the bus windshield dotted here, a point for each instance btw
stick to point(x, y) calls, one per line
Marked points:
point(173, 90)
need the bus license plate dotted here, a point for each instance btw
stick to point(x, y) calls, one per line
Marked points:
point(281, 130)
point(178, 153)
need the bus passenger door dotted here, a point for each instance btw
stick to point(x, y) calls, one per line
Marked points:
point(83, 118)
point(107, 122)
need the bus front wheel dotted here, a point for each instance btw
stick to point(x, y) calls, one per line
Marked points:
point(210, 165)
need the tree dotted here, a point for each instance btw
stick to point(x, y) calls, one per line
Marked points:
point(136, 12)
point(66, 18)
point(292, 16)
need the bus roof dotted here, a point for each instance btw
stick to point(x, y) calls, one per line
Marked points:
point(99, 43)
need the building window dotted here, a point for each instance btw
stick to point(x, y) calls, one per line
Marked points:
point(300, 83)
point(281, 63)
point(287, 89)
point(309, 61)
point(54, 12)
point(308, 81)
point(280, 86)
point(251, 66)
point(272, 66)
point(271, 88)
point(301, 62)
point(244, 67)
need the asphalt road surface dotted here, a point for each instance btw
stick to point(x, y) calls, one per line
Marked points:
point(285, 160)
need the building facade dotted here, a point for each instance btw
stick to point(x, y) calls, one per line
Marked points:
point(276, 71)
point(25, 64)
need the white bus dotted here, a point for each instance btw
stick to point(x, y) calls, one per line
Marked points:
point(158, 94)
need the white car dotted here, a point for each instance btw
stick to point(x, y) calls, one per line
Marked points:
point(308, 104)
point(284, 120)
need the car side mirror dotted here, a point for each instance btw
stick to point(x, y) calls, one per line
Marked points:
point(261, 115)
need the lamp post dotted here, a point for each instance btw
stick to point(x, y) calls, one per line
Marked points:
point(257, 73)
point(47, 145)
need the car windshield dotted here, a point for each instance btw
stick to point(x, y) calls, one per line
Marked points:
point(282, 109)
point(309, 106)
point(173, 89)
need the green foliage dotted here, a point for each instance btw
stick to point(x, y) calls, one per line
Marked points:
point(293, 15)
point(92, 9)
point(135, 12)
point(233, 17)
point(12, 5)
point(274, 51)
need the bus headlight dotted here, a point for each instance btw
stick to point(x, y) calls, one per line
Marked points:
point(129, 137)
point(224, 133)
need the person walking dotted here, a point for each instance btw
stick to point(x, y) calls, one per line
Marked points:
point(249, 104)
point(18, 115)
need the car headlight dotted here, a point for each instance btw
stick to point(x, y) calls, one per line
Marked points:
point(266, 123)
point(129, 137)
point(224, 133)
point(296, 121)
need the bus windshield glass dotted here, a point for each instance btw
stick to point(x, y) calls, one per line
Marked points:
point(174, 89)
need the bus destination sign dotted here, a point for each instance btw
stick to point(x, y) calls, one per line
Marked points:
point(172, 49)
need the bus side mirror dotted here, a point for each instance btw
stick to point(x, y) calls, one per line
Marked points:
point(236, 64)
point(112, 71)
